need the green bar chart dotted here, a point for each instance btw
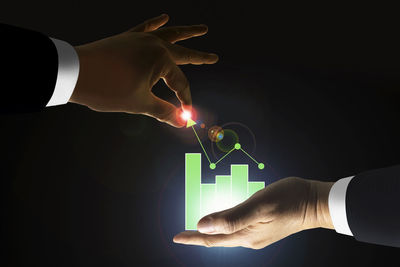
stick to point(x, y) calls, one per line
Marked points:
point(227, 191)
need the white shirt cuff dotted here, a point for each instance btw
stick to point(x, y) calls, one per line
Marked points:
point(337, 206)
point(68, 71)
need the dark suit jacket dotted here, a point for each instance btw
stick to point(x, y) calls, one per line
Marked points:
point(29, 69)
point(373, 206)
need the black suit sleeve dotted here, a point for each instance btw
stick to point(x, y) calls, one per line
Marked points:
point(373, 206)
point(29, 64)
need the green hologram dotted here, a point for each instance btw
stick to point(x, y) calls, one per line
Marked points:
point(207, 199)
point(254, 187)
point(223, 184)
point(226, 192)
point(224, 156)
point(201, 145)
point(192, 190)
point(240, 177)
point(249, 155)
point(212, 166)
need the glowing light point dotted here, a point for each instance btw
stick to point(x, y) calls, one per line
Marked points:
point(212, 166)
point(190, 123)
point(261, 166)
point(237, 146)
point(186, 115)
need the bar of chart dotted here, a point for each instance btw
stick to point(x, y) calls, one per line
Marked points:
point(205, 198)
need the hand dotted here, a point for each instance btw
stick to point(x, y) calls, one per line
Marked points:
point(283, 208)
point(117, 73)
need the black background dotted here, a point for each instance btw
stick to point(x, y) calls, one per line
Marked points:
point(318, 86)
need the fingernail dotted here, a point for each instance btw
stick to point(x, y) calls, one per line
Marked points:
point(177, 239)
point(206, 226)
point(213, 56)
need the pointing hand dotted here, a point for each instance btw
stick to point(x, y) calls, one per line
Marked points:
point(117, 73)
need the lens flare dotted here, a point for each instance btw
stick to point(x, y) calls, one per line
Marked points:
point(186, 115)
point(215, 133)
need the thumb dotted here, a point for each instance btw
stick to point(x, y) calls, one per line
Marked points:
point(230, 220)
point(163, 111)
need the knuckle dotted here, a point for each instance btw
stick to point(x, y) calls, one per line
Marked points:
point(228, 225)
point(253, 244)
point(149, 25)
point(146, 27)
point(177, 31)
point(185, 84)
point(208, 243)
point(258, 246)
point(191, 57)
point(246, 243)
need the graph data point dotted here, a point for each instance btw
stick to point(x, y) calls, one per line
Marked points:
point(190, 123)
point(261, 166)
point(212, 166)
point(237, 146)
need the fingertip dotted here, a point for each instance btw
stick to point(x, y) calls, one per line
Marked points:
point(179, 238)
point(203, 28)
point(213, 58)
point(176, 239)
point(164, 15)
point(206, 226)
point(160, 21)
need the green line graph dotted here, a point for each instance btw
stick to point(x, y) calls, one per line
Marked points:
point(213, 165)
point(205, 198)
point(227, 191)
point(201, 145)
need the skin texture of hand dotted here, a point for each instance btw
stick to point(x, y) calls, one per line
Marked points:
point(283, 208)
point(117, 73)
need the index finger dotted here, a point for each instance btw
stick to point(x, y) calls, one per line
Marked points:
point(195, 238)
point(177, 82)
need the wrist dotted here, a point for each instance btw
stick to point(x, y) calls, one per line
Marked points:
point(322, 215)
point(75, 97)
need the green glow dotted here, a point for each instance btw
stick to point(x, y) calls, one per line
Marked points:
point(212, 166)
point(254, 187)
point(226, 192)
point(223, 185)
point(192, 189)
point(207, 199)
point(237, 146)
point(240, 176)
point(261, 166)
